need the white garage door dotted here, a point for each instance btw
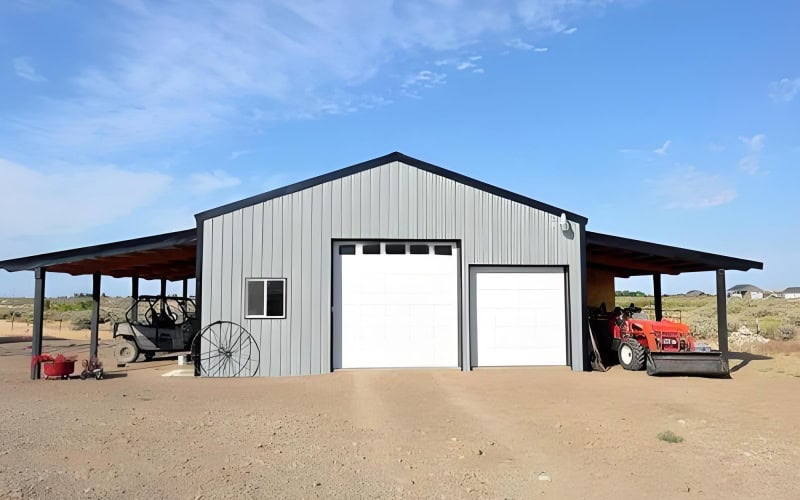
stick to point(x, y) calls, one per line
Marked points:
point(395, 305)
point(519, 316)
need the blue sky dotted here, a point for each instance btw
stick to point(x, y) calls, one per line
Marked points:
point(675, 122)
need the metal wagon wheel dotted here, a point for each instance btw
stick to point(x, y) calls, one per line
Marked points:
point(225, 349)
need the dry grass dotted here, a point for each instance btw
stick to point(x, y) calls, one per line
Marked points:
point(771, 318)
point(68, 310)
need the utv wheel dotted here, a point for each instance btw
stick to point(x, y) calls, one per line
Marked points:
point(126, 352)
point(631, 355)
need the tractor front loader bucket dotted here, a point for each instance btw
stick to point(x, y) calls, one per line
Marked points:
point(700, 364)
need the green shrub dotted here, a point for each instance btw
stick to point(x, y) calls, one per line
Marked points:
point(83, 305)
point(670, 437)
point(81, 324)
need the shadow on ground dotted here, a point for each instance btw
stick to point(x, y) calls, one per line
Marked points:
point(744, 359)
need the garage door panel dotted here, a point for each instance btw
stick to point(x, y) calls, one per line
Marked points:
point(395, 310)
point(520, 316)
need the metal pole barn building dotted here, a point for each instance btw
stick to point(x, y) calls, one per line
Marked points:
point(397, 263)
point(392, 263)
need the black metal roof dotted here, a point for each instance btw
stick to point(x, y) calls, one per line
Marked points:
point(627, 257)
point(792, 289)
point(744, 288)
point(170, 255)
point(376, 162)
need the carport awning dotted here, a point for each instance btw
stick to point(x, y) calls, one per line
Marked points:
point(170, 256)
point(626, 257)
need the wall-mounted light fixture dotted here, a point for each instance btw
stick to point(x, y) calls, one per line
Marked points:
point(564, 224)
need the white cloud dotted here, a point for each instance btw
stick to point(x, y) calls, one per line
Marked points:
point(754, 144)
point(235, 155)
point(23, 67)
point(663, 149)
point(183, 69)
point(784, 90)
point(460, 64)
point(519, 44)
point(569, 31)
point(70, 199)
point(687, 187)
point(425, 78)
point(478, 71)
point(207, 182)
point(751, 161)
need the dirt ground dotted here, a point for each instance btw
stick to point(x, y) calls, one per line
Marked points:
point(501, 433)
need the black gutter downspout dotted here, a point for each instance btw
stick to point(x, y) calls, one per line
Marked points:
point(38, 321)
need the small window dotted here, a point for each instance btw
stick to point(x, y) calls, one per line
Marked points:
point(371, 249)
point(347, 250)
point(418, 249)
point(265, 297)
point(443, 250)
point(395, 248)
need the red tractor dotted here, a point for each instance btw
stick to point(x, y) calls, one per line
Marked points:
point(663, 347)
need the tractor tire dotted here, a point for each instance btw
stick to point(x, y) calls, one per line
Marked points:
point(631, 355)
point(126, 352)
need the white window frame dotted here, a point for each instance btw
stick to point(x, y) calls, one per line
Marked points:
point(266, 287)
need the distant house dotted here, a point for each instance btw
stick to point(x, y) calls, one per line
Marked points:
point(746, 291)
point(792, 292)
point(695, 293)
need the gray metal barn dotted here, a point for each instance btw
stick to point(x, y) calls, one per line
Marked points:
point(292, 233)
point(390, 263)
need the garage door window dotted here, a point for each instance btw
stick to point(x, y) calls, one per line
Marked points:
point(395, 249)
point(265, 298)
point(443, 250)
point(373, 249)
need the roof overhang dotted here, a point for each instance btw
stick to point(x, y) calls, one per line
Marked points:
point(170, 256)
point(626, 257)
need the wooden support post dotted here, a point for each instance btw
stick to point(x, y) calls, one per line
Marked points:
point(657, 296)
point(185, 288)
point(134, 297)
point(94, 337)
point(38, 320)
point(722, 312)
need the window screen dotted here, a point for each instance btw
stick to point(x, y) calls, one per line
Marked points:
point(418, 249)
point(265, 298)
point(255, 298)
point(347, 250)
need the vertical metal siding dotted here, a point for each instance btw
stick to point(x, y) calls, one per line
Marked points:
point(291, 237)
